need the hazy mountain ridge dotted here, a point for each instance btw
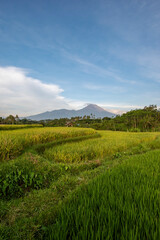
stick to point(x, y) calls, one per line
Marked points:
point(90, 110)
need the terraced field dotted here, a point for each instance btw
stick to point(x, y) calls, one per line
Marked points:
point(44, 171)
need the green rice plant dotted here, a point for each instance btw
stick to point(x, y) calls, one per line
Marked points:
point(120, 204)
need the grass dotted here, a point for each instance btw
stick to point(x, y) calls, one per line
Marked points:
point(37, 185)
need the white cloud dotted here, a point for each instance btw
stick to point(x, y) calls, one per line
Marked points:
point(23, 95)
point(118, 108)
point(121, 106)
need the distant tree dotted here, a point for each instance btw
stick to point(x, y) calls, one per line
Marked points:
point(17, 119)
point(1, 120)
point(10, 119)
point(24, 121)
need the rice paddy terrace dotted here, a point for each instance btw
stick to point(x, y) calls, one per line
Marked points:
point(74, 183)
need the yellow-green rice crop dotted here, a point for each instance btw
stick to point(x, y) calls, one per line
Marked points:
point(16, 126)
point(109, 144)
point(12, 143)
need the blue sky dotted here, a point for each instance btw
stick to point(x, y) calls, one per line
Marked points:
point(63, 54)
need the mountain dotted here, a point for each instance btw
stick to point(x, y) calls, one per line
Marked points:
point(90, 110)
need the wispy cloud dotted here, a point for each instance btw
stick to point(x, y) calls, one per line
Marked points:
point(95, 69)
point(105, 88)
point(146, 60)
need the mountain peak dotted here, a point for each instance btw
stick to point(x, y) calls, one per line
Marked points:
point(89, 110)
point(94, 107)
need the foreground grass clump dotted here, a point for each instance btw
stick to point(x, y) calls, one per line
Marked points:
point(13, 143)
point(16, 126)
point(123, 203)
point(22, 175)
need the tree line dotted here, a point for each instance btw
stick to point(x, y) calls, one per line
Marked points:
point(15, 120)
point(146, 119)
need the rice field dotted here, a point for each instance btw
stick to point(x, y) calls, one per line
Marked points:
point(106, 182)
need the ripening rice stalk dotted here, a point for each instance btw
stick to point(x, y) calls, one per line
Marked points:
point(12, 143)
